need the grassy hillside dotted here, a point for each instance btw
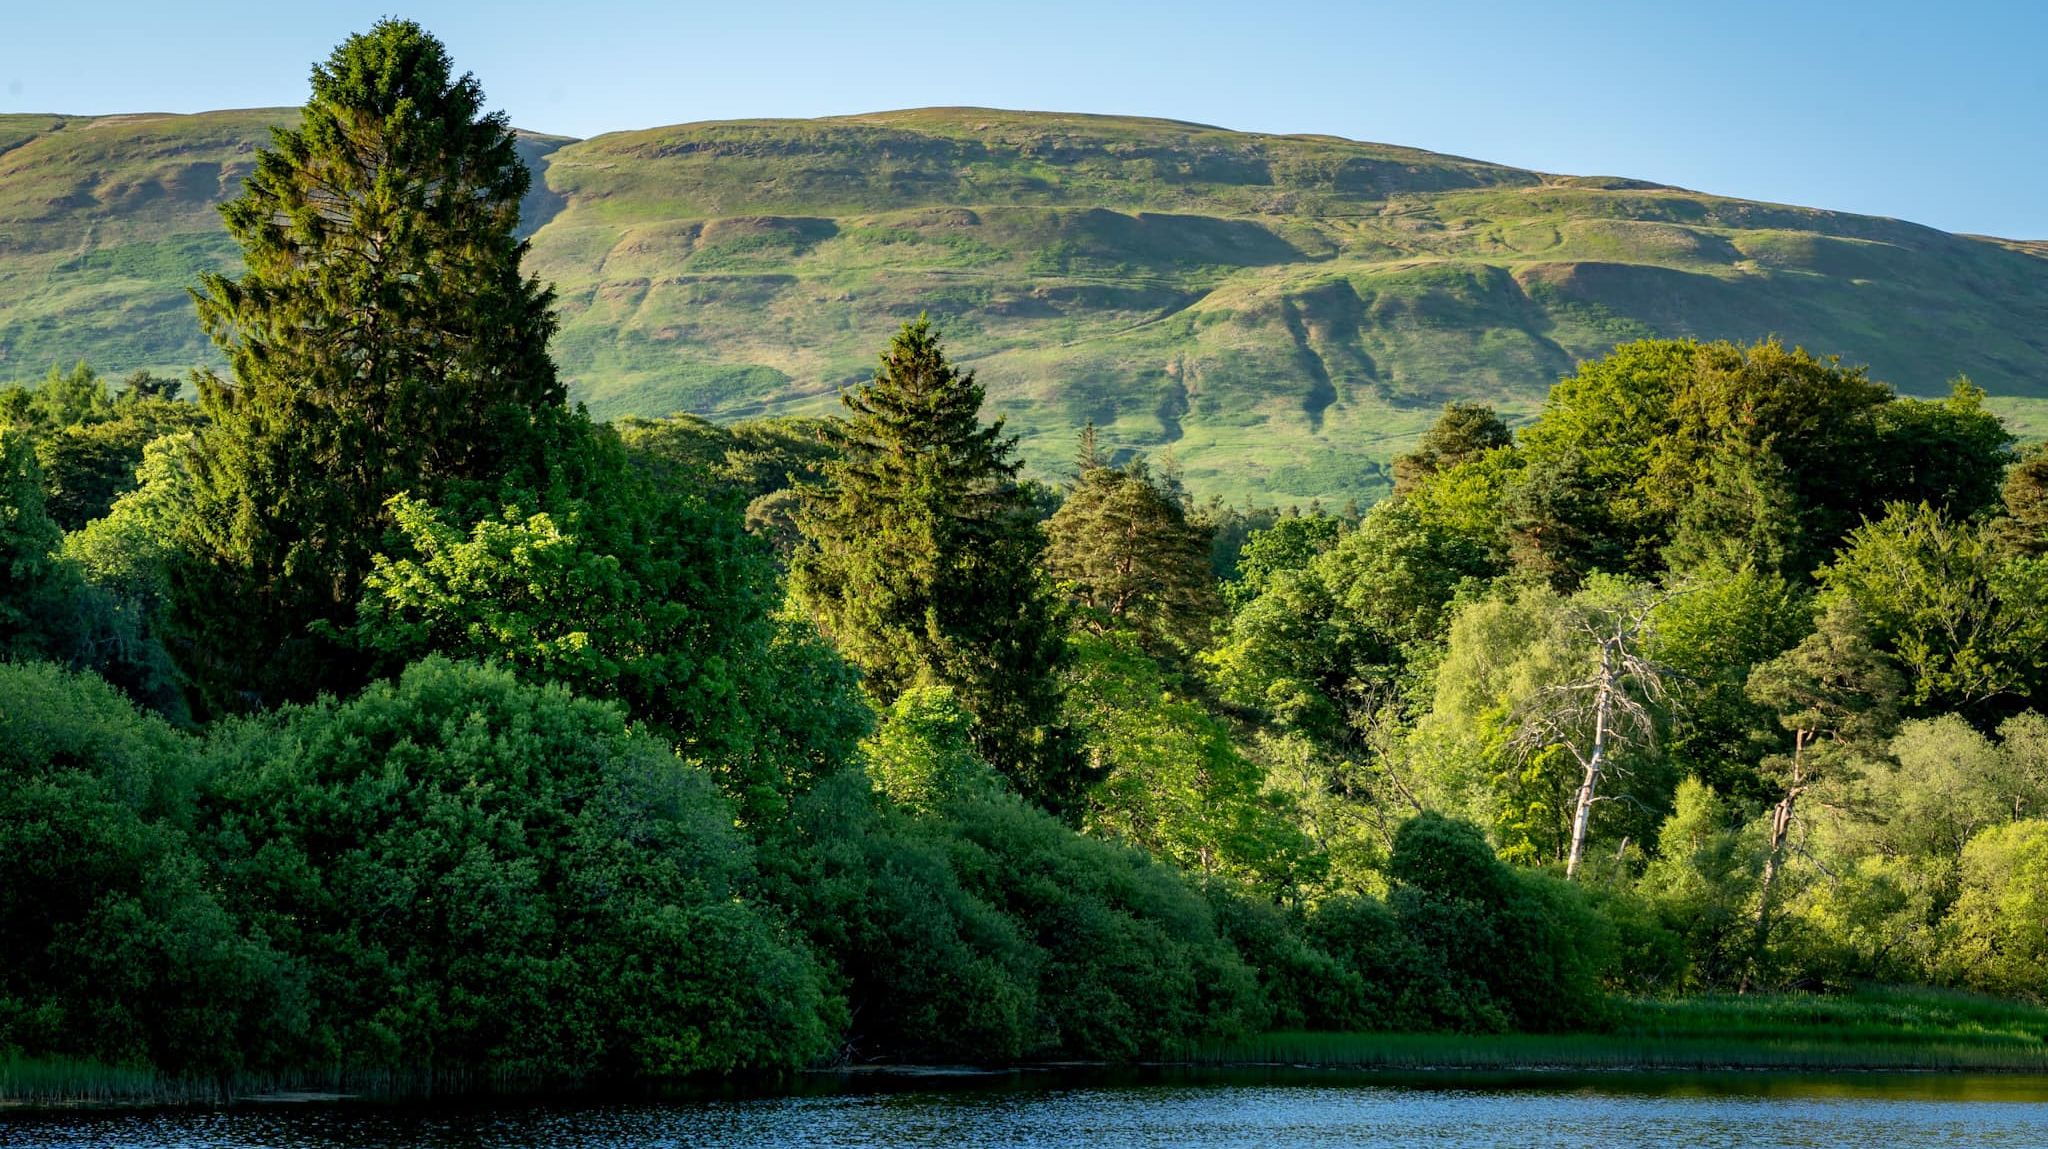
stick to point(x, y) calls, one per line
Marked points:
point(1283, 311)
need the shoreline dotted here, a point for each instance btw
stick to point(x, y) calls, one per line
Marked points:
point(1416, 1060)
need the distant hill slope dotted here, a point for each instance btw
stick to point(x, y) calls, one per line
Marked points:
point(1283, 311)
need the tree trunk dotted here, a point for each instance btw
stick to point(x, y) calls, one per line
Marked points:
point(1781, 826)
point(1582, 816)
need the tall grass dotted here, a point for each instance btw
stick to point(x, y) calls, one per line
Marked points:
point(1871, 1029)
point(58, 1083)
point(38, 1082)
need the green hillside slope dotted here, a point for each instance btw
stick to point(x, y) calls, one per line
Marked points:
point(1283, 311)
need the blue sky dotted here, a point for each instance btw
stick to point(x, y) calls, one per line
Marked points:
point(1934, 112)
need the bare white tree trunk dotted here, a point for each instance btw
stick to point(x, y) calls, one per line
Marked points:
point(1596, 761)
point(1591, 716)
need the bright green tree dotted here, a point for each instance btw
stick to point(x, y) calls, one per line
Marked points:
point(1288, 545)
point(383, 339)
point(1967, 623)
point(1172, 779)
point(114, 945)
point(920, 562)
point(1701, 882)
point(1581, 501)
point(480, 876)
point(1682, 454)
point(2000, 921)
point(1712, 637)
point(638, 589)
point(1327, 646)
point(1833, 686)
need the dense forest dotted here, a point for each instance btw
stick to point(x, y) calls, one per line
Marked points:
point(378, 712)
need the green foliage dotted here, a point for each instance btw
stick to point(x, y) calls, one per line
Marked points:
point(923, 758)
point(1511, 720)
point(1711, 637)
point(1517, 950)
point(1287, 545)
point(1967, 624)
point(113, 943)
point(633, 588)
point(2001, 917)
point(383, 340)
point(1463, 433)
point(1701, 882)
point(2024, 526)
point(480, 876)
point(919, 561)
point(47, 608)
point(970, 923)
point(1173, 782)
point(1944, 782)
point(1764, 454)
point(1582, 500)
point(32, 587)
point(1124, 546)
point(88, 441)
point(1834, 684)
point(761, 461)
point(1332, 642)
point(1688, 454)
point(1470, 499)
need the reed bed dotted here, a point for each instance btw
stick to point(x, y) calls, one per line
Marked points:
point(52, 1083)
point(1873, 1029)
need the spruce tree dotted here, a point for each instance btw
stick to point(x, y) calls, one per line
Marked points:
point(383, 339)
point(1123, 544)
point(919, 561)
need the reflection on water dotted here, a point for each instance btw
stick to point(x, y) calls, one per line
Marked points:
point(1281, 1109)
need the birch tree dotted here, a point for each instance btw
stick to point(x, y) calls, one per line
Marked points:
point(1608, 706)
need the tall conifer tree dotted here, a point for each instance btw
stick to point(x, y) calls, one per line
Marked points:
point(920, 562)
point(383, 339)
point(1124, 544)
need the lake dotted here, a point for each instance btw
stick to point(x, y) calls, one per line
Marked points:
point(1282, 1109)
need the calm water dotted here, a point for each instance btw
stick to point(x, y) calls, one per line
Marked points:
point(1278, 1110)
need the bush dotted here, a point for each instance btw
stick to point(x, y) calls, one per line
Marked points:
point(968, 923)
point(112, 948)
point(1522, 949)
point(2001, 919)
point(477, 875)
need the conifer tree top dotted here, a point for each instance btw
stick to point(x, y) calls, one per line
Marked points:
point(918, 423)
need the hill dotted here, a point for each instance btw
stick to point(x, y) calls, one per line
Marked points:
point(1282, 311)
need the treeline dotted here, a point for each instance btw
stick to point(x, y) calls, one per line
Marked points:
point(379, 714)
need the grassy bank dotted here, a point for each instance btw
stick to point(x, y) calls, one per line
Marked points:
point(1872, 1029)
point(1869, 1029)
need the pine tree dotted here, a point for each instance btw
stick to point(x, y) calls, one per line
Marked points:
point(2023, 529)
point(1464, 431)
point(1125, 546)
point(919, 562)
point(382, 340)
